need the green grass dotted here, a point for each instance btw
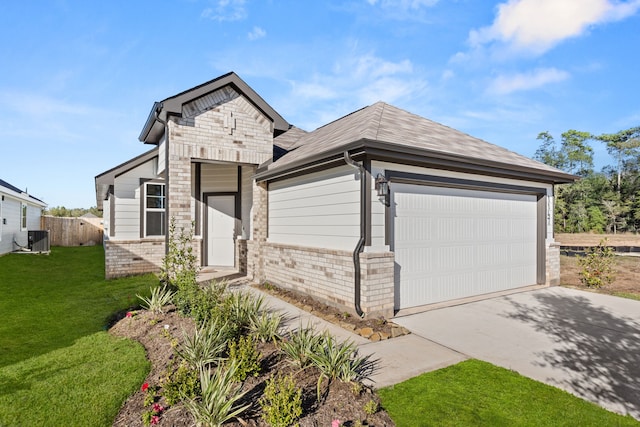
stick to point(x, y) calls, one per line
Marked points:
point(49, 301)
point(80, 385)
point(475, 393)
point(57, 365)
point(627, 295)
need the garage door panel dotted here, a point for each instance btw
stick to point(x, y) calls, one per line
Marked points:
point(454, 243)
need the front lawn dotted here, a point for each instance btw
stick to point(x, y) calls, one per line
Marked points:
point(57, 365)
point(80, 385)
point(49, 301)
point(476, 393)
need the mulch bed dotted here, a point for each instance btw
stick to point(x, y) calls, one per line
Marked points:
point(373, 328)
point(156, 333)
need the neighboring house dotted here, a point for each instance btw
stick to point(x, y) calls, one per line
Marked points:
point(378, 211)
point(19, 213)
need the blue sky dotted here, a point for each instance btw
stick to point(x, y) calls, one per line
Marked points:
point(78, 78)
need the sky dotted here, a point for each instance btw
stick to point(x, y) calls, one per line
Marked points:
point(78, 78)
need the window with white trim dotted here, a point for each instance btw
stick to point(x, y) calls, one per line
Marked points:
point(154, 209)
point(23, 217)
point(1, 217)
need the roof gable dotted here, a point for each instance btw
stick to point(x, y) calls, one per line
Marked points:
point(173, 106)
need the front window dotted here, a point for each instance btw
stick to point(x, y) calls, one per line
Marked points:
point(23, 217)
point(154, 209)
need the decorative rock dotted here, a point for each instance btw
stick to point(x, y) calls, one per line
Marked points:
point(307, 308)
point(396, 332)
point(384, 336)
point(375, 337)
point(366, 332)
point(347, 326)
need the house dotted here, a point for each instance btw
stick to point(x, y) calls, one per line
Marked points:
point(19, 213)
point(379, 211)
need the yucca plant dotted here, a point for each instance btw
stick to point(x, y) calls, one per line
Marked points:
point(337, 360)
point(242, 308)
point(161, 296)
point(300, 345)
point(218, 402)
point(206, 345)
point(266, 326)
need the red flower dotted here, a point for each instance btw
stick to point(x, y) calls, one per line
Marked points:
point(145, 386)
point(155, 420)
point(129, 314)
point(157, 407)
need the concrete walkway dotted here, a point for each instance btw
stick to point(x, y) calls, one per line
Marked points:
point(585, 343)
point(397, 359)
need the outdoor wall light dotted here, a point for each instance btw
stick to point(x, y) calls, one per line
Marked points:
point(382, 188)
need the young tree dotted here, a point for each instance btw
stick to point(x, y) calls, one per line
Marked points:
point(579, 153)
point(548, 153)
point(624, 147)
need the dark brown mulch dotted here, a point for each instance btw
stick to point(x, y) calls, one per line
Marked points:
point(373, 328)
point(160, 333)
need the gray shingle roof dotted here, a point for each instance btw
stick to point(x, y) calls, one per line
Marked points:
point(398, 129)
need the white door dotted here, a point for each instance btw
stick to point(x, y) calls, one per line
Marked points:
point(453, 243)
point(220, 231)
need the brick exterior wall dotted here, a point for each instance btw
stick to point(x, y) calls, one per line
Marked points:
point(129, 257)
point(328, 275)
point(255, 246)
point(220, 126)
point(553, 264)
point(377, 283)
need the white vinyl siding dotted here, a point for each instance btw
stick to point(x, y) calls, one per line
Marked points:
point(321, 209)
point(219, 178)
point(162, 156)
point(11, 211)
point(127, 189)
point(452, 243)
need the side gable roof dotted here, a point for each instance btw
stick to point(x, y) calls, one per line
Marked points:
point(14, 191)
point(106, 179)
point(154, 127)
point(383, 129)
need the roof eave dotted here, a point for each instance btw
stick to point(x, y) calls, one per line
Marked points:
point(378, 150)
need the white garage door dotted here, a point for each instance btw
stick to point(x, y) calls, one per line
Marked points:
point(454, 243)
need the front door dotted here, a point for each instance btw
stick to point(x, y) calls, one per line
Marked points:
point(221, 230)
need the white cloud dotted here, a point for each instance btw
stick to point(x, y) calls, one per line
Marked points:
point(503, 85)
point(352, 83)
point(257, 33)
point(226, 10)
point(538, 25)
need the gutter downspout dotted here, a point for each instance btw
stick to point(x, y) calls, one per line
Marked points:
point(360, 246)
point(156, 115)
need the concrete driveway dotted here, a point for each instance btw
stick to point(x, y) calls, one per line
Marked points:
point(585, 343)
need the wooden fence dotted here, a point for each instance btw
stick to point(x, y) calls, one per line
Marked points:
point(72, 231)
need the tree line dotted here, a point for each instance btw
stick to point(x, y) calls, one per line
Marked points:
point(73, 212)
point(601, 202)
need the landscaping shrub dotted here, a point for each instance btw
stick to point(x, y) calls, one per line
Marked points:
point(266, 327)
point(598, 266)
point(161, 296)
point(300, 345)
point(281, 402)
point(337, 360)
point(219, 394)
point(244, 354)
point(206, 345)
point(183, 383)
